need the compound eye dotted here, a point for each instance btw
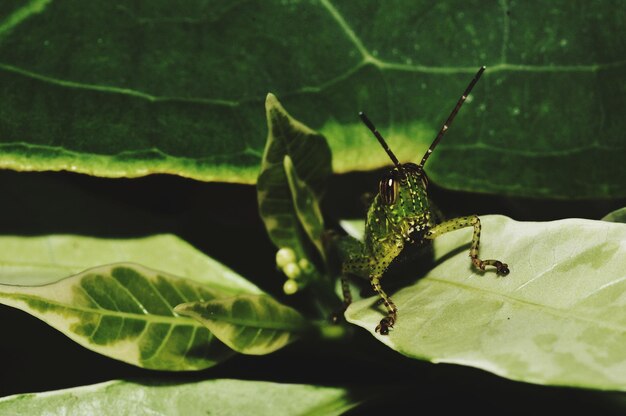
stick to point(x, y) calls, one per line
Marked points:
point(388, 190)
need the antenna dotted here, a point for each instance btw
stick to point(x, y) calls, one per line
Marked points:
point(382, 141)
point(445, 126)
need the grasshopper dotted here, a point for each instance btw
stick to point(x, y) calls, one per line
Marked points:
point(399, 217)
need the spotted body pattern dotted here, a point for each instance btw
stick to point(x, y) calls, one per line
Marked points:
point(399, 216)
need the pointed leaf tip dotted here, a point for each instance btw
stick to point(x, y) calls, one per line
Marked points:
point(271, 100)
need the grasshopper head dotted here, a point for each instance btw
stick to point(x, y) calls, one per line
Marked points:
point(402, 195)
point(402, 182)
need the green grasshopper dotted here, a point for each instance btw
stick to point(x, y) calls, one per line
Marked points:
point(400, 217)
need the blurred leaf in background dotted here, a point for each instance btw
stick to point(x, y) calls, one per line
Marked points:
point(222, 396)
point(128, 89)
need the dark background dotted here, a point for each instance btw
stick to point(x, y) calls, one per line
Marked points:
point(222, 221)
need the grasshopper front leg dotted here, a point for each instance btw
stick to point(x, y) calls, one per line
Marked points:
point(392, 311)
point(462, 222)
point(362, 266)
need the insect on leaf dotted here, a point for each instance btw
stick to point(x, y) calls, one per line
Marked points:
point(250, 324)
point(558, 318)
point(125, 311)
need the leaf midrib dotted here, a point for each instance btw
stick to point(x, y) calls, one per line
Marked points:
point(551, 309)
point(72, 270)
point(254, 324)
point(151, 318)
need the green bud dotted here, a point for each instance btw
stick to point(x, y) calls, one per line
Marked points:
point(292, 271)
point(290, 287)
point(284, 256)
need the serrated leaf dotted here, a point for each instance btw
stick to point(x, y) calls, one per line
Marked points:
point(250, 324)
point(558, 318)
point(149, 87)
point(310, 158)
point(219, 397)
point(42, 260)
point(125, 311)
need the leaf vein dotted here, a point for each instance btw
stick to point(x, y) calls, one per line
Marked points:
point(21, 14)
point(162, 343)
point(551, 309)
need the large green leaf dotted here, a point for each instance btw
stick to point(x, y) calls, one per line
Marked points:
point(125, 311)
point(219, 397)
point(558, 318)
point(151, 86)
point(250, 324)
point(41, 260)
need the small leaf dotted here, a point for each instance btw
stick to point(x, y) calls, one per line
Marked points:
point(47, 259)
point(558, 318)
point(619, 215)
point(354, 228)
point(250, 324)
point(306, 207)
point(125, 311)
point(310, 157)
point(215, 397)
